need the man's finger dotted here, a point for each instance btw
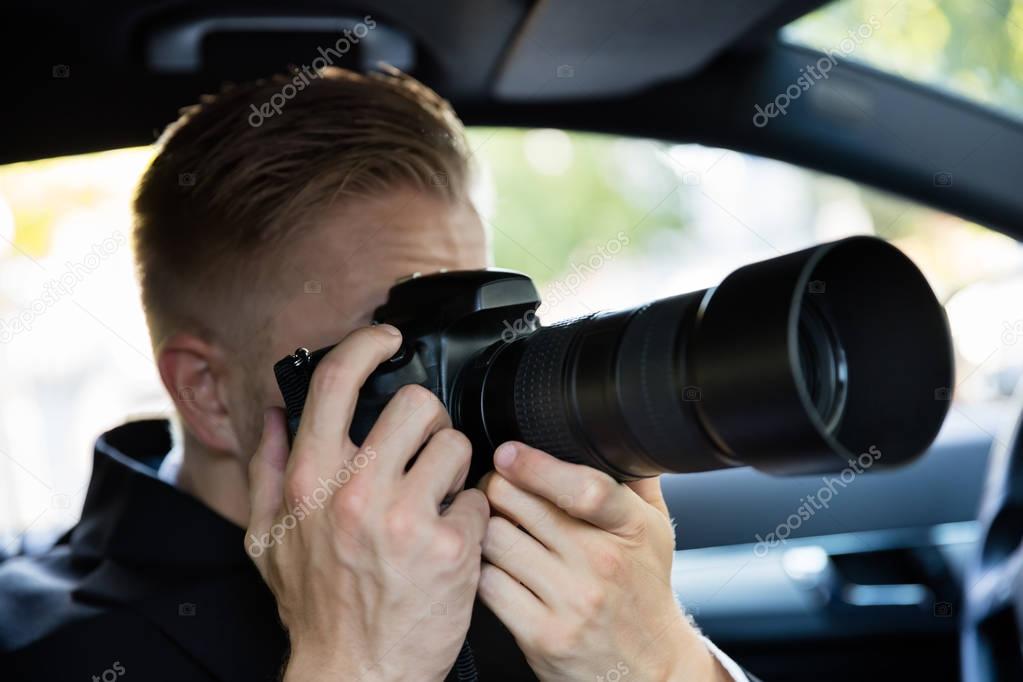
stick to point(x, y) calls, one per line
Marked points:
point(334, 391)
point(469, 512)
point(539, 517)
point(523, 558)
point(583, 492)
point(409, 419)
point(266, 476)
point(511, 602)
point(441, 468)
point(649, 490)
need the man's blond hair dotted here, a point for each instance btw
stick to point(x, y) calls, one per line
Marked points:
point(231, 184)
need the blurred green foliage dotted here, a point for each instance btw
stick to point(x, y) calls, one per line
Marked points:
point(973, 48)
point(539, 217)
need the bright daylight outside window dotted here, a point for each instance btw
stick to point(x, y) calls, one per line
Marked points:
point(599, 222)
point(934, 42)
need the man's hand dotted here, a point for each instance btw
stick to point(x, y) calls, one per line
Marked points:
point(372, 580)
point(579, 570)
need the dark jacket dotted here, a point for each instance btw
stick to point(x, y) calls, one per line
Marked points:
point(153, 585)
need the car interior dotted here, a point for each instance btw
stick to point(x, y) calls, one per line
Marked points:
point(914, 107)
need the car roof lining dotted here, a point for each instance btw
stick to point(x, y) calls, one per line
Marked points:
point(707, 73)
point(468, 50)
point(599, 48)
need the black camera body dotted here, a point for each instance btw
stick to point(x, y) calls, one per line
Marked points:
point(449, 321)
point(786, 366)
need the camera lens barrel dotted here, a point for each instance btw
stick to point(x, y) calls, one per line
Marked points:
point(793, 365)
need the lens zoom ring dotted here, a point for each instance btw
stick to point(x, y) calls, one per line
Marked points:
point(540, 408)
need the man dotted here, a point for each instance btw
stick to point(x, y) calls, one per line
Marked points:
point(253, 238)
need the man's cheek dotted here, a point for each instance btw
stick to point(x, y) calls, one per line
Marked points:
point(254, 395)
point(249, 432)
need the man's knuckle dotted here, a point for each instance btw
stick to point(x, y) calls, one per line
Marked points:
point(332, 374)
point(454, 444)
point(562, 644)
point(497, 488)
point(608, 562)
point(488, 581)
point(591, 599)
point(400, 523)
point(415, 396)
point(478, 509)
point(298, 483)
point(350, 504)
point(500, 535)
point(594, 496)
point(449, 546)
point(499, 526)
point(453, 441)
point(479, 501)
point(369, 336)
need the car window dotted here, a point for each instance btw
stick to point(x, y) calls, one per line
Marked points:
point(598, 221)
point(971, 49)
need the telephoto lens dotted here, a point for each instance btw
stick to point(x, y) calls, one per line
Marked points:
point(793, 365)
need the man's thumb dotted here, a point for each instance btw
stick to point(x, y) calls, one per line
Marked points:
point(650, 490)
point(266, 472)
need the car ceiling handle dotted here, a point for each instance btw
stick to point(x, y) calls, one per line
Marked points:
point(178, 48)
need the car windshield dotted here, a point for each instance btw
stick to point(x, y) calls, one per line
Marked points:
point(971, 49)
point(599, 222)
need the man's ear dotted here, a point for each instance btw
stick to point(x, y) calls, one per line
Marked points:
point(195, 375)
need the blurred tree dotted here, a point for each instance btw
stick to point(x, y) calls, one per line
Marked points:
point(972, 48)
point(558, 194)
